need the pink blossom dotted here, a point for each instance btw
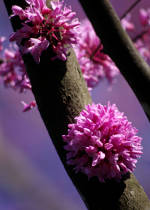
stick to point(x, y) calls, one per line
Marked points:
point(29, 106)
point(94, 63)
point(45, 27)
point(142, 41)
point(36, 48)
point(144, 17)
point(13, 72)
point(102, 143)
point(127, 24)
point(2, 39)
point(143, 46)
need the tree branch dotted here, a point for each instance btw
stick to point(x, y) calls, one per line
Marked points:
point(120, 48)
point(61, 94)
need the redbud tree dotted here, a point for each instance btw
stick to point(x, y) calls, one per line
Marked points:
point(61, 61)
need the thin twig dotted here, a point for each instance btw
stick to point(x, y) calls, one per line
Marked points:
point(129, 9)
point(95, 51)
point(138, 36)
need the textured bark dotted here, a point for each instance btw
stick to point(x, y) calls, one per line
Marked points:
point(118, 45)
point(61, 93)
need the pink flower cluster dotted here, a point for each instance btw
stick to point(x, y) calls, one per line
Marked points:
point(102, 143)
point(142, 40)
point(13, 72)
point(143, 46)
point(145, 17)
point(44, 27)
point(94, 63)
point(142, 43)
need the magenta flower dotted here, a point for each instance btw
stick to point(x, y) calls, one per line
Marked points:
point(13, 73)
point(94, 63)
point(2, 39)
point(142, 42)
point(145, 17)
point(43, 27)
point(29, 106)
point(143, 46)
point(127, 24)
point(102, 143)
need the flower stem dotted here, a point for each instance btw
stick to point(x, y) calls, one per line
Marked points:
point(95, 51)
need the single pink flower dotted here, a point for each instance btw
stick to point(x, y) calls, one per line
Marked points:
point(127, 24)
point(102, 143)
point(43, 27)
point(2, 39)
point(37, 47)
point(29, 106)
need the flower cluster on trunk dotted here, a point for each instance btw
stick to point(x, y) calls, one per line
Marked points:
point(44, 27)
point(102, 143)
